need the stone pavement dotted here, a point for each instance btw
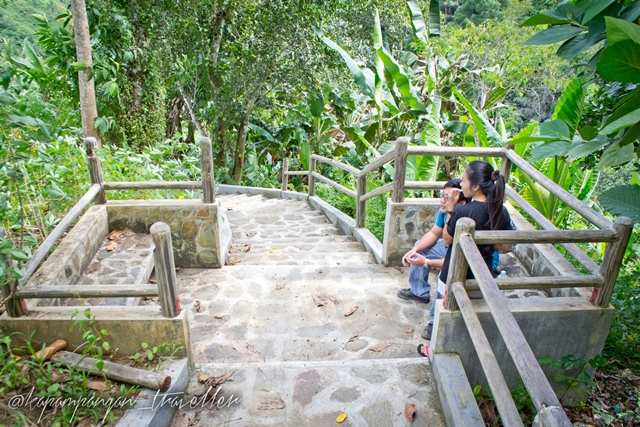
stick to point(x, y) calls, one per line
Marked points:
point(275, 319)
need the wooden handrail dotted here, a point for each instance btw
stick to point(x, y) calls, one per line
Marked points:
point(540, 391)
point(589, 214)
point(153, 185)
point(545, 236)
point(455, 151)
point(88, 291)
point(509, 414)
point(424, 185)
point(51, 239)
point(377, 191)
point(334, 184)
point(379, 162)
point(545, 224)
point(345, 167)
point(544, 282)
point(291, 173)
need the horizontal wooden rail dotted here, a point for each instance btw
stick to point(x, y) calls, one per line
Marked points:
point(378, 163)
point(154, 185)
point(335, 185)
point(589, 214)
point(51, 239)
point(336, 163)
point(545, 282)
point(290, 173)
point(544, 236)
point(545, 224)
point(530, 371)
point(455, 151)
point(377, 191)
point(88, 291)
point(424, 185)
point(492, 372)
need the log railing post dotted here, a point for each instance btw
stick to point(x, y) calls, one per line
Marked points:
point(285, 177)
point(95, 168)
point(400, 166)
point(11, 303)
point(613, 260)
point(361, 205)
point(165, 270)
point(206, 165)
point(312, 179)
point(458, 266)
point(505, 169)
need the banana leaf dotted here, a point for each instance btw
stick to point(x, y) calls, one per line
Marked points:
point(487, 135)
point(417, 20)
point(409, 93)
point(434, 18)
point(571, 105)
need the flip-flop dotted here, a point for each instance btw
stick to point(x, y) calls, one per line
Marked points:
point(421, 353)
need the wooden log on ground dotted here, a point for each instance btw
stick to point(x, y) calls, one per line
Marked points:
point(114, 371)
point(154, 185)
point(62, 226)
point(545, 236)
point(400, 165)
point(509, 415)
point(589, 214)
point(165, 269)
point(545, 224)
point(613, 260)
point(206, 166)
point(95, 168)
point(336, 163)
point(530, 371)
point(88, 291)
point(335, 185)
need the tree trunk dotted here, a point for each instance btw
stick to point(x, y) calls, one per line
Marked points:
point(88, 108)
point(221, 138)
point(241, 142)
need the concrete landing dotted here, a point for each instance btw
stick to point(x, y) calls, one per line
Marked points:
point(275, 317)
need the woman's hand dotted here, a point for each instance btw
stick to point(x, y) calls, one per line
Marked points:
point(417, 260)
point(454, 198)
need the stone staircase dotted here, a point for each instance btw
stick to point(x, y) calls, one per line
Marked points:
point(274, 317)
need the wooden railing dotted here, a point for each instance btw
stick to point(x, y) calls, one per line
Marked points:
point(14, 292)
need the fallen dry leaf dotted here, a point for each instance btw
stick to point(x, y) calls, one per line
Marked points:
point(354, 337)
point(379, 347)
point(340, 418)
point(197, 306)
point(218, 316)
point(96, 385)
point(247, 248)
point(271, 402)
point(202, 377)
point(334, 299)
point(116, 234)
point(111, 246)
point(233, 260)
point(154, 281)
point(273, 251)
point(409, 411)
point(182, 420)
point(410, 331)
point(320, 300)
point(244, 349)
point(400, 269)
point(351, 311)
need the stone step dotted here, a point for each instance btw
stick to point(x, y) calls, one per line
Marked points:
point(337, 238)
point(277, 222)
point(328, 259)
point(284, 232)
point(294, 246)
point(371, 393)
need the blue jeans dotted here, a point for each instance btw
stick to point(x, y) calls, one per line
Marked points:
point(419, 276)
point(432, 312)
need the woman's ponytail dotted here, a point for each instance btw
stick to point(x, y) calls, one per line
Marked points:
point(492, 184)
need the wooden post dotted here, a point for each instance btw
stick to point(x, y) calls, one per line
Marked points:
point(165, 270)
point(361, 205)
point(400, 166)
point(551, 416)
point(206, 165)
point(11, 304)
point(88, 108)
point(612, 260)
point(458, 266)
point(285, 177)
point(95, 168)
point(312, 179)
point(505, 169)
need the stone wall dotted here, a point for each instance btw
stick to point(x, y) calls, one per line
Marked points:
point(406, 223)
point(197, 229)
point(67, 262)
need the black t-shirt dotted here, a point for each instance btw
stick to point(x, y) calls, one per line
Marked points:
point(478, 212)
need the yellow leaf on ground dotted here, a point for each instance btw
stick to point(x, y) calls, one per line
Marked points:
point(111, 246)
point(379, 347)
point(274, 251)
point(340, 418)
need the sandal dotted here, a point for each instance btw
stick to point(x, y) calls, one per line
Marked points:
point(422, 347)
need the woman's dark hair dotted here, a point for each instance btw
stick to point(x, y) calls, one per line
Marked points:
point(491, 184)
point(457, 183)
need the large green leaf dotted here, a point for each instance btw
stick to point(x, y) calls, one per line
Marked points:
point(585, 148)
point(379, 81)
point(625, 116)
point(487, 134)
point(355, 70)
point(616, 155)
point(623, 200)
point(557, 129)
point(551, 149)
point(316, 104)
point(621, 62)
point(262, 132)
point(417, 20)
point(591, 8)
point(409, 94)
point(619, 30)
point(495, 95)
point(631, 12)
point(544, 19)
point(457, 127)
point(434, 18)
point(570, 106)
point(574, 47)
point(7, 98)
point(632, 135)
point(554, 34)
